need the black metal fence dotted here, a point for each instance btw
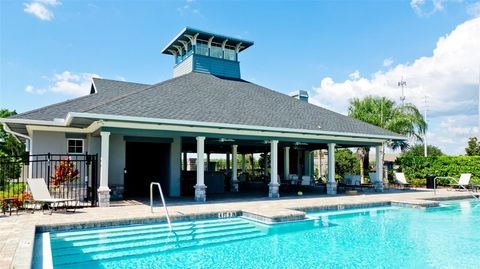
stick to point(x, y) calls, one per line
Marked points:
point(66, 176)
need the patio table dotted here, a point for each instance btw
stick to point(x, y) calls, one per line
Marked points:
point(9, 202)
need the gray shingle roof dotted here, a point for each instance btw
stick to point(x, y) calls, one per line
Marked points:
point(106, 90)
point(206, 98)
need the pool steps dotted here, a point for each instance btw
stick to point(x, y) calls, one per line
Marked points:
point(73, 247)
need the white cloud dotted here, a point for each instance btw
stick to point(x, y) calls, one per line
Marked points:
point(449, 77)
point(387, 62)
point(33, 90)
point(72, 83)
point(426, 7)
point(355, 75)
point(474, 9)
point(68, 83)
point(40, 8)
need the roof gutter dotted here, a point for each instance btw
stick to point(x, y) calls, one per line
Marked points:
point(73, 115)
point(16, 135)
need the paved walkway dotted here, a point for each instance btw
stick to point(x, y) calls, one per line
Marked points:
point(17, 231)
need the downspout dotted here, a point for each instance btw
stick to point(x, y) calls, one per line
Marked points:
point(28, 144)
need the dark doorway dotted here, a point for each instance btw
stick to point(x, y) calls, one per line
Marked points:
point(146, 162)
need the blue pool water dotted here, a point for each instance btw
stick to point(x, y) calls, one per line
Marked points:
point(387, 237)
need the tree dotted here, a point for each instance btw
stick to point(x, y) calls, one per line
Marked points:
point(361, 153)
point(473, 148)
point(9, 145)
point(346, 162)
point(418, 150)
point(382, 112)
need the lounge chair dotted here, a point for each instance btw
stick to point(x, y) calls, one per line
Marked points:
point(401, 180)
point(42, 196)
point(306, 181)
point(463, 182)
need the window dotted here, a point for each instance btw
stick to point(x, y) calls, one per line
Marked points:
point(230, 54)
point(75, 146)
point(202, 48)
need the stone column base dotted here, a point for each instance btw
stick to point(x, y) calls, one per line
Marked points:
point(200, 193)
point(273, 190)
point(378, 186)
point(103, 197)
point(331, 188)
point(234, 187)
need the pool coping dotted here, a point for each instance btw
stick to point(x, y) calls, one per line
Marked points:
point(23, 257)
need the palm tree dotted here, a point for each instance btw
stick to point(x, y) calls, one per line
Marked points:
point(380, 111)
point(360, 153)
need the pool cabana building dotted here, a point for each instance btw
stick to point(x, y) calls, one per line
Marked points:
point(143, 133)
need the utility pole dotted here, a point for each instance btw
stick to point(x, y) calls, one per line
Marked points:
point(402, 83)
point(425, 134)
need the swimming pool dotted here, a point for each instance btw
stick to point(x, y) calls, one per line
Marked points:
point(384, 237)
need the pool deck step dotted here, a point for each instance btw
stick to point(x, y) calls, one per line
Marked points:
point(415, 203)
point(269, 215)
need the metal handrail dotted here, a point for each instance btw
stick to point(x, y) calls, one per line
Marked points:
point(458, 183)
point(163, 202)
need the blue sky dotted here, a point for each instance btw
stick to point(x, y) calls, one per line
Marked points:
point(334, 49)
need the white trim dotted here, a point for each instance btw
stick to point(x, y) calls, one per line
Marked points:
point(72, 115)
point(235, 127)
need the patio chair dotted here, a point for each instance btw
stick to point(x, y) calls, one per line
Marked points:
point(306, 181)
point(42, 196)
point(401, 180)
point(463, 182)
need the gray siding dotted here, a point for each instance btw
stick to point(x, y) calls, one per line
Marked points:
point(49, 142)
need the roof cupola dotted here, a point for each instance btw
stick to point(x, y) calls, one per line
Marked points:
point(199, 51)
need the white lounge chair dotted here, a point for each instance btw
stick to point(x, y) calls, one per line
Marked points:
point(306, 181)
point(463, 181)
point(401, 180)
point(42, 196)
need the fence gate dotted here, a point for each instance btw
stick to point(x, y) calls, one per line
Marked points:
point(67, 176)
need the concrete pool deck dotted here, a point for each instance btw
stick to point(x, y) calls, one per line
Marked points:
point(17, 232)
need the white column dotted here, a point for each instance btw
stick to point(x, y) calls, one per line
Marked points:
point(331, 183)
point(378, 184)
point(234, 186)
point(200, 194)
point(286, 160)
point(274, 184)
point(103, 190)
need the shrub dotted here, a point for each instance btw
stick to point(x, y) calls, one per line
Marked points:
point(453, 166)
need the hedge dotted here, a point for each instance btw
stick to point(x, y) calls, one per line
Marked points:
point(420, 167)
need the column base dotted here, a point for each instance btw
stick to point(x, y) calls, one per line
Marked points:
point(378, 186)
point(234, 186)
point(103, 197)
point(331, 188)
point(200, 193)
point(273, 190)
